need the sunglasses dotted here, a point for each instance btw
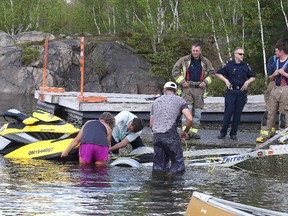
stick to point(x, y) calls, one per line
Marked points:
point(241, 54)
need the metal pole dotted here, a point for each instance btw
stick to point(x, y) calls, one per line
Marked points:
point(45, 62)
point(82, 66)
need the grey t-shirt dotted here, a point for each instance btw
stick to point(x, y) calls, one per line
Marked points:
point(166, 111)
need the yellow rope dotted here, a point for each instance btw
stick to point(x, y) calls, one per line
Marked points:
point(186, 146)
point(252, 172)
point(187, 154)
point(214, 165)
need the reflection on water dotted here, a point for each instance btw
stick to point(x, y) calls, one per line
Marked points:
point(94, 176)
point(26, 104)
point(37, 187)
point(31, 187)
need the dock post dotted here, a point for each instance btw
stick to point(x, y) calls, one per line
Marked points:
point(81, 97)
point(44, 87)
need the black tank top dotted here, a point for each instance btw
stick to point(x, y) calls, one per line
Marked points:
point(94, 132)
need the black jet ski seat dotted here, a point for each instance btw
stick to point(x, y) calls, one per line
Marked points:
point(14, 114)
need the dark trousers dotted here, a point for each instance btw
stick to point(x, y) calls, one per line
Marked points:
point(167, 148)
point(135, 144)
point(234, 103)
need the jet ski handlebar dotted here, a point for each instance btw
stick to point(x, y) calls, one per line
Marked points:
point(14, 114)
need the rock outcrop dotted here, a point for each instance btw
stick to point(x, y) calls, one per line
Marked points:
point(109, 66)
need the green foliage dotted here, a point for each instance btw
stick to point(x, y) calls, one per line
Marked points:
point(217, 88)
point(140, 43)
point(53, 16)
point(258, 86)
point(29, 54)
point(166, 55)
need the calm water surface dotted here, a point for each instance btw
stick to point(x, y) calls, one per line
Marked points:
point(36, 187)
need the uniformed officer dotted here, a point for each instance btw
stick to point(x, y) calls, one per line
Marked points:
point(279, 94)
point(193, 73)
point(237, 76)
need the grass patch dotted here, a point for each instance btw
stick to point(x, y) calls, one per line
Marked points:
point(29, 54)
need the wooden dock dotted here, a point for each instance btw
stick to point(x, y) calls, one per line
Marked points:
point(67, 105)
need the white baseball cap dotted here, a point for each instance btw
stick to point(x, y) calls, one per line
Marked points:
point(170, 85)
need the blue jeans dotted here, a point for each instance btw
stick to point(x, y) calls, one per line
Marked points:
point(235, 101)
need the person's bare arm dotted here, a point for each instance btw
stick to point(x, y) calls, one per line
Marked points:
point(151, 121)
point(283, 73)
point(186, 112)
point(226, 81)
point(247, 83)
point(119, 145)
point(109, 133)
point(74, 143)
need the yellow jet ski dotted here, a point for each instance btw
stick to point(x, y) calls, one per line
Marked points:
point(40, 136)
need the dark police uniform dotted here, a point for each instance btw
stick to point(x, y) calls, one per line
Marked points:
point(235, 99)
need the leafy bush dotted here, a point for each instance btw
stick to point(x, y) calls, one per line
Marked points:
point(217, 88)
point(258, 86)
point(29, 54)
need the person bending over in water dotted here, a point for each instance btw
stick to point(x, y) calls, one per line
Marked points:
point(94, 138)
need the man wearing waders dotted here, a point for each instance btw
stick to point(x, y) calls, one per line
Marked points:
point(264, 135)
point(279, 94)
point(193, 73)
point(165, 113)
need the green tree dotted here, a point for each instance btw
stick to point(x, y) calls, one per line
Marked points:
point(161, 30)
point(17, 16)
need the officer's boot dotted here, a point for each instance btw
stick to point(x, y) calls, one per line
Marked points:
point(194, 132)
point(264, 135)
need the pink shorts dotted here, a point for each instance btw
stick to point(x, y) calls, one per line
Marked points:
point(93, 153)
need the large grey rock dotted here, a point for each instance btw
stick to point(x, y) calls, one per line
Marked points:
point(109, 67)
point(23, 80)
point(32, 36)
point(5, 39)
point(115, 68)
point(10, 57)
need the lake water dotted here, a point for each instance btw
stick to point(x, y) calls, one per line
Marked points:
point(37, 187)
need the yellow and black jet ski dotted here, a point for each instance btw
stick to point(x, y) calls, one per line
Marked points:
point(40, 136)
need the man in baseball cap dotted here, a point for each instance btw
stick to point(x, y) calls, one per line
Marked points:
point(170, 85)
point(165, 113)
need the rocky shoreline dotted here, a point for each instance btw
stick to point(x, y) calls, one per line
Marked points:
point(109, 66)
